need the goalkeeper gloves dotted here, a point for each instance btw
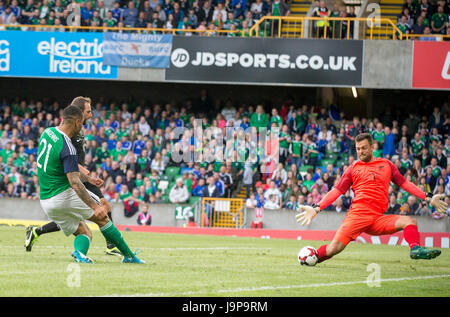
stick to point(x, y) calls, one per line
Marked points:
point(308, 214)
point(437, 202)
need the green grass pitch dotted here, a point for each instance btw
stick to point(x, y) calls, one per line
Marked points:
point(193, 265)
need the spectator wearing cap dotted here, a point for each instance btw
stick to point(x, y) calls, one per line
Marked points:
point(179, 193)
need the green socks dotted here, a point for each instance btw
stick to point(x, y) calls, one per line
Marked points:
point(82, 243)
point(113, 235)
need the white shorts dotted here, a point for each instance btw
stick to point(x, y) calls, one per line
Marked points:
point(67, 210)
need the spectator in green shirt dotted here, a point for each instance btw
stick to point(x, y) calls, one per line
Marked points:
point(403, 27)
point(101, 154)
point(259, 119)
point(302, 118)
point(110, 21)
point(276, 118)
point(308, 183)
point(439, 21)
point(295, 150)
point(117, 151)
point(312, 152)
point(377, 150)
point(379, 134)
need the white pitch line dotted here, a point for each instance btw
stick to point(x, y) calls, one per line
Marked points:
point(215, 248)
point(145, 248)
point(270, 288)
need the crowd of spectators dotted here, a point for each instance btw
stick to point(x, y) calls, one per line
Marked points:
point(233, 17)
point(131, 145)
point(334, 29)
point(425, 17)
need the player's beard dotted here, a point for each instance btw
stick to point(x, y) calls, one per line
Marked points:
point(366, 158)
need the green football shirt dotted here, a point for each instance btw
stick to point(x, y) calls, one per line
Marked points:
point(439, 19)
point(56, 157)
point(296, 148)
point(379, 136)
point(417, 146)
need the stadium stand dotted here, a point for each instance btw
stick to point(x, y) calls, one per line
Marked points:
point(279, 18)
point(131, 149)
point(215, 16)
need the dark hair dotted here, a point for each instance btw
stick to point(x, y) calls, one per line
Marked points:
point(364, 136)
point(80, 102)
point(72, 113)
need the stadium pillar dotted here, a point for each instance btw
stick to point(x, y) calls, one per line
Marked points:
point(369, 103)
point(325, 96)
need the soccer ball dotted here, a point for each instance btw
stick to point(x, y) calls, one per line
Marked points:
point(308, 256)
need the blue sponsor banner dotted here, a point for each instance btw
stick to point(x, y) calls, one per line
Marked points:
point(53, 55)
point(137, 50)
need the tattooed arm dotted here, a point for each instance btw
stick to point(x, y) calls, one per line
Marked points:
point(83, 177)
point(75, 180)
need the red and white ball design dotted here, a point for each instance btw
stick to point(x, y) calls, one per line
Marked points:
point(308, 256)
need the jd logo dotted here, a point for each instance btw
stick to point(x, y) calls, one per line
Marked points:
point(180, 57)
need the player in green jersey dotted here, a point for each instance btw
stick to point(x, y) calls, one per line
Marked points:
point(64, 198)
point(93, 184)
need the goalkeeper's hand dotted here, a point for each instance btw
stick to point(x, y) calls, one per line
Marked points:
point(437, 202)
point(306, 215)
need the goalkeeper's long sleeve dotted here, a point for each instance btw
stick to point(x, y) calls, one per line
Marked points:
point(413, 190)
point(329, 198)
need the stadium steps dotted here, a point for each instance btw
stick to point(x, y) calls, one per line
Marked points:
point(298, 8)
point(390, 9)
point(243, 193)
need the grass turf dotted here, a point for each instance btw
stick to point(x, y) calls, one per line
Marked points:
point(192, 265)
